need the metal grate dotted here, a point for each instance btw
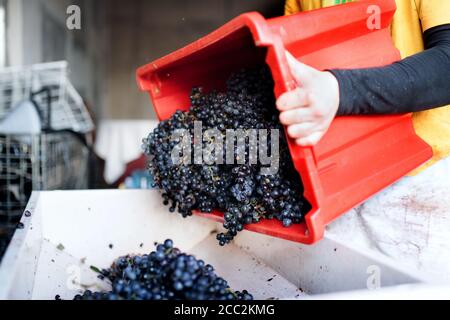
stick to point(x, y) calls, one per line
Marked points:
point(38, 162)
point(15, 177)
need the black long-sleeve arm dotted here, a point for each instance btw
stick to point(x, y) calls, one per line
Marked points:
point(417, 83)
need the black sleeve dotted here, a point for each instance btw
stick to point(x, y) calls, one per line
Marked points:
point(417, 83)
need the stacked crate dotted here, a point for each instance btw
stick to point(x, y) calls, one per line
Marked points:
point(57, 158)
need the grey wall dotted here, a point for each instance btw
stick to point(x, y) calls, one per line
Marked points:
point(143, 30)
point(117, 37)
point(37, 33)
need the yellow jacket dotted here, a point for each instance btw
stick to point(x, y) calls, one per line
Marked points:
point(412, 18)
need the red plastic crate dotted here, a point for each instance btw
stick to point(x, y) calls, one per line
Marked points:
point(359, 156)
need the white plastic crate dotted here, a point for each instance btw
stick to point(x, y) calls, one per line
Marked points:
point(68, 109)
point(68, 231)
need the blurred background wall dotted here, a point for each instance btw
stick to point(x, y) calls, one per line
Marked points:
point(116, 37)
point(146, 30)
point(37, 32)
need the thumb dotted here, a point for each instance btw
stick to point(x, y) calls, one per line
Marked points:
point(300, 71)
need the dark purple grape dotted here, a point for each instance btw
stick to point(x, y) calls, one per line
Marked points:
point(165, 274)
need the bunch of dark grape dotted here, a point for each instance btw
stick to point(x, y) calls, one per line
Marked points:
point(165, 274)
point(240, 191)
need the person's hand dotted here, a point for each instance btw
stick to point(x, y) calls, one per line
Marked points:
point(309, 110)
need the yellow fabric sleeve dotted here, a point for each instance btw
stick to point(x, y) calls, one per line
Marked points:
point(433, 13)
point(291, 7)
